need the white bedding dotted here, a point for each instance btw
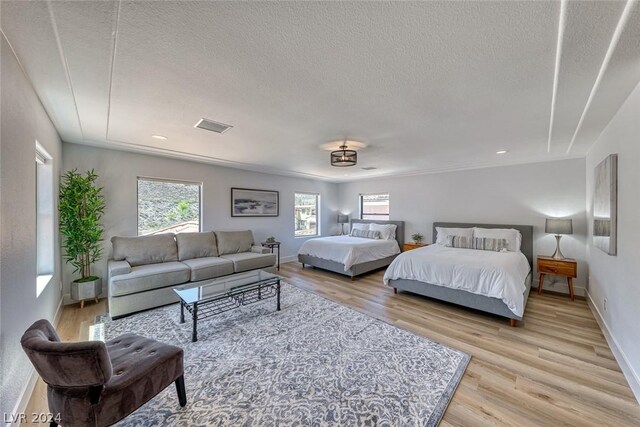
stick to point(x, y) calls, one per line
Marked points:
point(349, 250)
point(493, 274)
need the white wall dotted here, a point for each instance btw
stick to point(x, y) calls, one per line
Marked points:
point(118, 172)
point(23, 120)
point(616, 279)
point(524, 194)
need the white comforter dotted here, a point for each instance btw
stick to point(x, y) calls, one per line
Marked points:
point(349, 250)
point(493, 274)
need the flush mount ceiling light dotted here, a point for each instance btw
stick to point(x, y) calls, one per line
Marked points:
point(160, 137)
point(343, 157)
point(502, 152)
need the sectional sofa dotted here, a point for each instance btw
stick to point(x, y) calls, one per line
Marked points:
point(143, 270)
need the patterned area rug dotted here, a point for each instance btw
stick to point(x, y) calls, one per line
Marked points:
point(313, 363)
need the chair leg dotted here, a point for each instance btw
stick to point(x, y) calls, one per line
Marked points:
point(182, 394)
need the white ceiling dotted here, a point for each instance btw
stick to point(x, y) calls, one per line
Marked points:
point(428, 86)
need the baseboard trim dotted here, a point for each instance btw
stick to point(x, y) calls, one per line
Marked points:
point(27, 390)
point(629, 373)
point(287, 259)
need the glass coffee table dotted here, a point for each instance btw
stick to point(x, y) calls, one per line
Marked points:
point(216, 296)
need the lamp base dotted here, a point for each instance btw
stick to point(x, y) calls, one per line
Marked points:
point(558, 253)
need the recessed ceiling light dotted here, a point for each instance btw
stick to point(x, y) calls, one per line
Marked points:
point(502, 152)
point(160, 137)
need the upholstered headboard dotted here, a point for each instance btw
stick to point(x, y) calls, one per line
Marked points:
point(526, 230)
point(399, 227)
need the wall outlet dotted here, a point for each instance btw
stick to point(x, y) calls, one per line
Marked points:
point(604, 305)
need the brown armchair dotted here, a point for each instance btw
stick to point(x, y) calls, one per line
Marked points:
point(93, 383)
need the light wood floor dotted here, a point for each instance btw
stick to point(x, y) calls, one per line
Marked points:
point(555, 368)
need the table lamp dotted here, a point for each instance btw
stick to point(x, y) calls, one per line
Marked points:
point(342, 219)
point(558, 227)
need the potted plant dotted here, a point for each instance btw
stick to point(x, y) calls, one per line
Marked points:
point(81, 206)
point(417, 238)
point(271, 239)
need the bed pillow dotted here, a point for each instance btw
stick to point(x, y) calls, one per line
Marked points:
point(443, 232)
point(513, 236)
point(387, 231)
point(359, 226)
point(462, 242)
point(489, 244)
point(367, 234)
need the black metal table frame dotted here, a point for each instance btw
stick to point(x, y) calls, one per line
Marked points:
point(230, 300)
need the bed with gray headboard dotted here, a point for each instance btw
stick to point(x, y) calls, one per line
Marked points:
point(361, 268)
point(463, 297)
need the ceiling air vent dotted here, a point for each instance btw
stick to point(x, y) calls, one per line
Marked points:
point(212, 126)
point(369, 168)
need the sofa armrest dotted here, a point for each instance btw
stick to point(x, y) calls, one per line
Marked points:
point(117, 268)
point(260, 249)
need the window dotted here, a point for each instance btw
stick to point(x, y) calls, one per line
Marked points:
point(374, 206)
point(168, 206)
point(44, 218)
point(306, 214)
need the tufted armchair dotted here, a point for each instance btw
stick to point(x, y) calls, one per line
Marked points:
point(93, 383)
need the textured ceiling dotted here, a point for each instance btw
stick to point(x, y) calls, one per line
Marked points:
point(428, 86)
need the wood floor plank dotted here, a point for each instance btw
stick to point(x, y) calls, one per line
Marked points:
point(554, 368)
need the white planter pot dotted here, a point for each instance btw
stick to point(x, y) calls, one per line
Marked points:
point(81, 291)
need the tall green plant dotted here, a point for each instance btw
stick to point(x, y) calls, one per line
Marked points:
point(81, 207)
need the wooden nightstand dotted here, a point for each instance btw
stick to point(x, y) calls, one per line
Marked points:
point(409, 246)
point(560, 267)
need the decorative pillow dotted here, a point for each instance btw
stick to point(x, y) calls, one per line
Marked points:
point(489, 244)
point(443, 232)
point(145, 249)
point(359, 226)
point(462, 242)
point(196, 245)
point(367, 234)
point(512, 236)
point(387, 231)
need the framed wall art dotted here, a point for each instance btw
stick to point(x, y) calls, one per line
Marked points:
point(251, 203)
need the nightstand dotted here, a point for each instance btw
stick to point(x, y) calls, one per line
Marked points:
point(409, 246)
point(560, 267)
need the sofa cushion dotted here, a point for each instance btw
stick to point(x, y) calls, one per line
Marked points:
point(233, 242)
point(196, 245)
point(145, 249)
point(150, 276)
point(250, 261)
point(208, 268)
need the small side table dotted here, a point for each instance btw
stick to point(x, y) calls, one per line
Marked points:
point(272, 245)
point(409, 246)
point(561, 267)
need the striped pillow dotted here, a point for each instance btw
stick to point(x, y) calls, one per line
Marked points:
point(462, 242)
point(489, 244)
point(367, 234)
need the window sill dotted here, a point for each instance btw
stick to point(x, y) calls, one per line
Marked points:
point(306, 236)
point(41, 283)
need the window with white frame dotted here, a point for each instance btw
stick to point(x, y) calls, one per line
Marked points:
point(45, 207)
point(374, 206)
point(306, 214)
point(166, 206)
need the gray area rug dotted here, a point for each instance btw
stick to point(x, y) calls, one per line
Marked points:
point(315, 363)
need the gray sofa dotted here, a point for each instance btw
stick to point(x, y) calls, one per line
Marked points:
point(144, 270)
